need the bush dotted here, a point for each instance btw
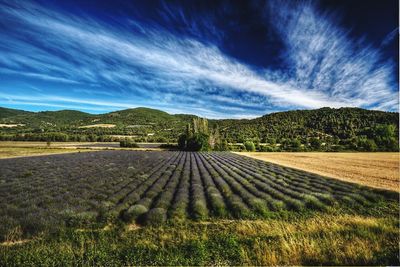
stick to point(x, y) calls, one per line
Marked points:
point(295, 144)
point(218, 205)
point(370, 145)
point(315, 143)
point(169, 146)
point(134, 212)
point(200, 210)
point(277, 205)
point(260, 206)
point(128, 143)
point(182, 141)
point(266, 149)
point(156, 217)
point(249, 145)
point(79, 219)
point(198, 142)
point(325, 197)
point(314, 203)
point(364, 144)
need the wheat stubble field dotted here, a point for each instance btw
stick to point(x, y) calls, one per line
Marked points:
point(187, 208)
point(380, 170)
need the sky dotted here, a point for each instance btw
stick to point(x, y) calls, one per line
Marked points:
point(216, 59)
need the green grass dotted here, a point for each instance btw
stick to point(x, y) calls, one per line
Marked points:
point(337, 237)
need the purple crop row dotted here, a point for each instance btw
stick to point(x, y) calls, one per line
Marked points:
point(155, 187)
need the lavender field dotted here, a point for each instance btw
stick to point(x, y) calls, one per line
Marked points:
point(46, 193)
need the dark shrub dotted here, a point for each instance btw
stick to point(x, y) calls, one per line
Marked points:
point(128, 143)
point(198, 142)
point(156, 217)
point(249, 145)
point(134, 212)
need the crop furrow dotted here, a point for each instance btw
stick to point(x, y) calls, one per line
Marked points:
point(237, 207)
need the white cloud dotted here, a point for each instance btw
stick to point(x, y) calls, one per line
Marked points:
point(325, 59)
point(326, 68)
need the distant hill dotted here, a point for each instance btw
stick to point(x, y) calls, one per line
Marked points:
point(8, 112)
point(140, 122)
point(62, 118)
point(142, 116)
point(145, 124)
point(45, 118)
point(343, 123)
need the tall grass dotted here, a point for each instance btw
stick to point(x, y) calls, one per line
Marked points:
point(324, 239)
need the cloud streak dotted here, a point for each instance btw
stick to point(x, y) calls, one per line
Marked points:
point(324, 67)
point(323, 58)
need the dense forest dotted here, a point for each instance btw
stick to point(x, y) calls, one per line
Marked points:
point(324, 129)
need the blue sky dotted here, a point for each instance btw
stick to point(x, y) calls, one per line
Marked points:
point(218, 59)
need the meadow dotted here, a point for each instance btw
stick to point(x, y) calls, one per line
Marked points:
point(191, 208)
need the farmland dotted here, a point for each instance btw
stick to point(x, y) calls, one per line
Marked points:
point(380, 170)
point(109, 196)
point(9, 149)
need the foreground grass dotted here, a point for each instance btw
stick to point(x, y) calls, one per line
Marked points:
point(336, 238)
point(375, 169)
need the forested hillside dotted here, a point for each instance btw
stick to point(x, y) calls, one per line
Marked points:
point(348, 128)
point(8, 112)
point(325, 128)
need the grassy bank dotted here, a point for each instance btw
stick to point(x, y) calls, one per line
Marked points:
point(337, 237)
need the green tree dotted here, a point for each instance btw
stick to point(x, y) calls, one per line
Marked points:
point(249, 145)
point(222, 146)
point(128, 143)
point(271, 141)
point(295, 144)
point(370, 145)
point(315, 143)
point(182, 141)
point(198, 142)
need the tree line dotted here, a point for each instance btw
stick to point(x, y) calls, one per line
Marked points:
point(199, 137)
point(326, 129)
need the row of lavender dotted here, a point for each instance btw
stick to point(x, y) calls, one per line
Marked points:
point(202, 185)
point(48, 192)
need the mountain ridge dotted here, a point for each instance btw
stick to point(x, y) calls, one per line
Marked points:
point(10, 112)
point(347, 126)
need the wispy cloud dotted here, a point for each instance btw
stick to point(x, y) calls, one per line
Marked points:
point(322, 57)
point(151, 65)
point(390, 37)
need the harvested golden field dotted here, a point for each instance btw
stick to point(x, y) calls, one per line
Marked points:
point(42, 144)
point(380, 170)
point(9, 149)
point(11, 152)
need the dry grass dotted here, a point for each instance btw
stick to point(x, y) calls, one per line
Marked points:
point(321, 240)
point(29, 144)
point(10, 149)
point(379, 170)
point(313, 240)
point(12, 152)
point(325, 239)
